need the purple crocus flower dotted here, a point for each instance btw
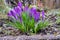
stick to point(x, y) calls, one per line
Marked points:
point(18, 10)
point(20, 4)
point(13, 13)
point(32, 11)
point(37, 16)
point(43, 14)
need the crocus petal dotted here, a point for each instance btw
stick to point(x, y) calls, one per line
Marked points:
point(20, 19)
point(9, 14)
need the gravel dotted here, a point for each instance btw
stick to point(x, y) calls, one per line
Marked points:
point(33, 37)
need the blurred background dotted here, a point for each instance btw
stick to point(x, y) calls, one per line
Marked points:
point(45, 3)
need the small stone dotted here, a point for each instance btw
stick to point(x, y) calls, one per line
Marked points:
point(55, 33)
point(48, 33)
point(1, 24)
point(0, 29)
point(10, 28)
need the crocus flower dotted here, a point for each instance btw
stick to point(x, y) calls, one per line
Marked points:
point(13, 13)
point(32, 11)
point(18, 10)
point(43, 14)
point(37, 16)
point(20, 4)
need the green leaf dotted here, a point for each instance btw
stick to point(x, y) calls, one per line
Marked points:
point(41, 25)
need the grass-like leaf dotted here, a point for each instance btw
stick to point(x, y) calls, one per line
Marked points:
point(41, 25)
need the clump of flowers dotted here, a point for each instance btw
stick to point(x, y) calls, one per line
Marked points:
point(27, 19)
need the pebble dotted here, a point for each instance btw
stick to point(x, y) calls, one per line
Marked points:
point(0, 29)
point(1, 24)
